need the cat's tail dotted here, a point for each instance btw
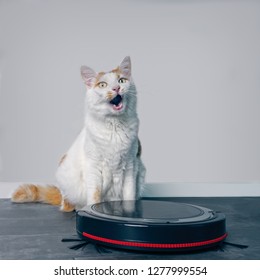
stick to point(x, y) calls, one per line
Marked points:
point(45, 194)
point(36, 193)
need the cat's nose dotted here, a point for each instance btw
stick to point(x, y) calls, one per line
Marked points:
point(116, 89)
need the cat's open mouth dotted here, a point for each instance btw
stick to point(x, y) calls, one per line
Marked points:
point(117, 103)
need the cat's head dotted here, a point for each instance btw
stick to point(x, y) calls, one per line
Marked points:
point(110, 93)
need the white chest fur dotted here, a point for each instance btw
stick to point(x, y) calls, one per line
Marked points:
point(112, 140)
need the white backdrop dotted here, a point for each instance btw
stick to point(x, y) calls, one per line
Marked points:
point(196, 65)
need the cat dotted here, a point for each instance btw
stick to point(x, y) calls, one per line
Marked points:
point(104, 163)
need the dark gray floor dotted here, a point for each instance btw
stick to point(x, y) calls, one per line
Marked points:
point(34, 231)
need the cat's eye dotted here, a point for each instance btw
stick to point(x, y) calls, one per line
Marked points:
point(122, 80)
point(102, 84)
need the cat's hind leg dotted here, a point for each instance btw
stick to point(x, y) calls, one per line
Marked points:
point(66, 206)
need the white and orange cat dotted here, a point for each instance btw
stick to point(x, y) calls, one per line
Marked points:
point(104, 162)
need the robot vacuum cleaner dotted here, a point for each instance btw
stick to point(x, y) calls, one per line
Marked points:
point(151, 225)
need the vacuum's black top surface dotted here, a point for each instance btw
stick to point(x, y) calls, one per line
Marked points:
point(151, 211)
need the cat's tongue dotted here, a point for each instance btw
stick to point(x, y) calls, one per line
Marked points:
point(117, 102)
point(118, 107)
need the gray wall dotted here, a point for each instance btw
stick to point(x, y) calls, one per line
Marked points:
point(196, 65)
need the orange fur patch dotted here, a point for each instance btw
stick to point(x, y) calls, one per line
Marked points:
point(98, 77)
point(25, 193)
point(66, 206)
point(50, 195)
point(110, 95)
point(97, 195)
point(101, 74)
point(116, 71)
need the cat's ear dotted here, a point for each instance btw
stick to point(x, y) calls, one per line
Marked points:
point(125, 66)
point(88, 75)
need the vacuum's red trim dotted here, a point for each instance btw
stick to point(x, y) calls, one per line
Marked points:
point(155, 245)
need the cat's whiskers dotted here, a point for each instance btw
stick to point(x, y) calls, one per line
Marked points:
point(130, 93)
